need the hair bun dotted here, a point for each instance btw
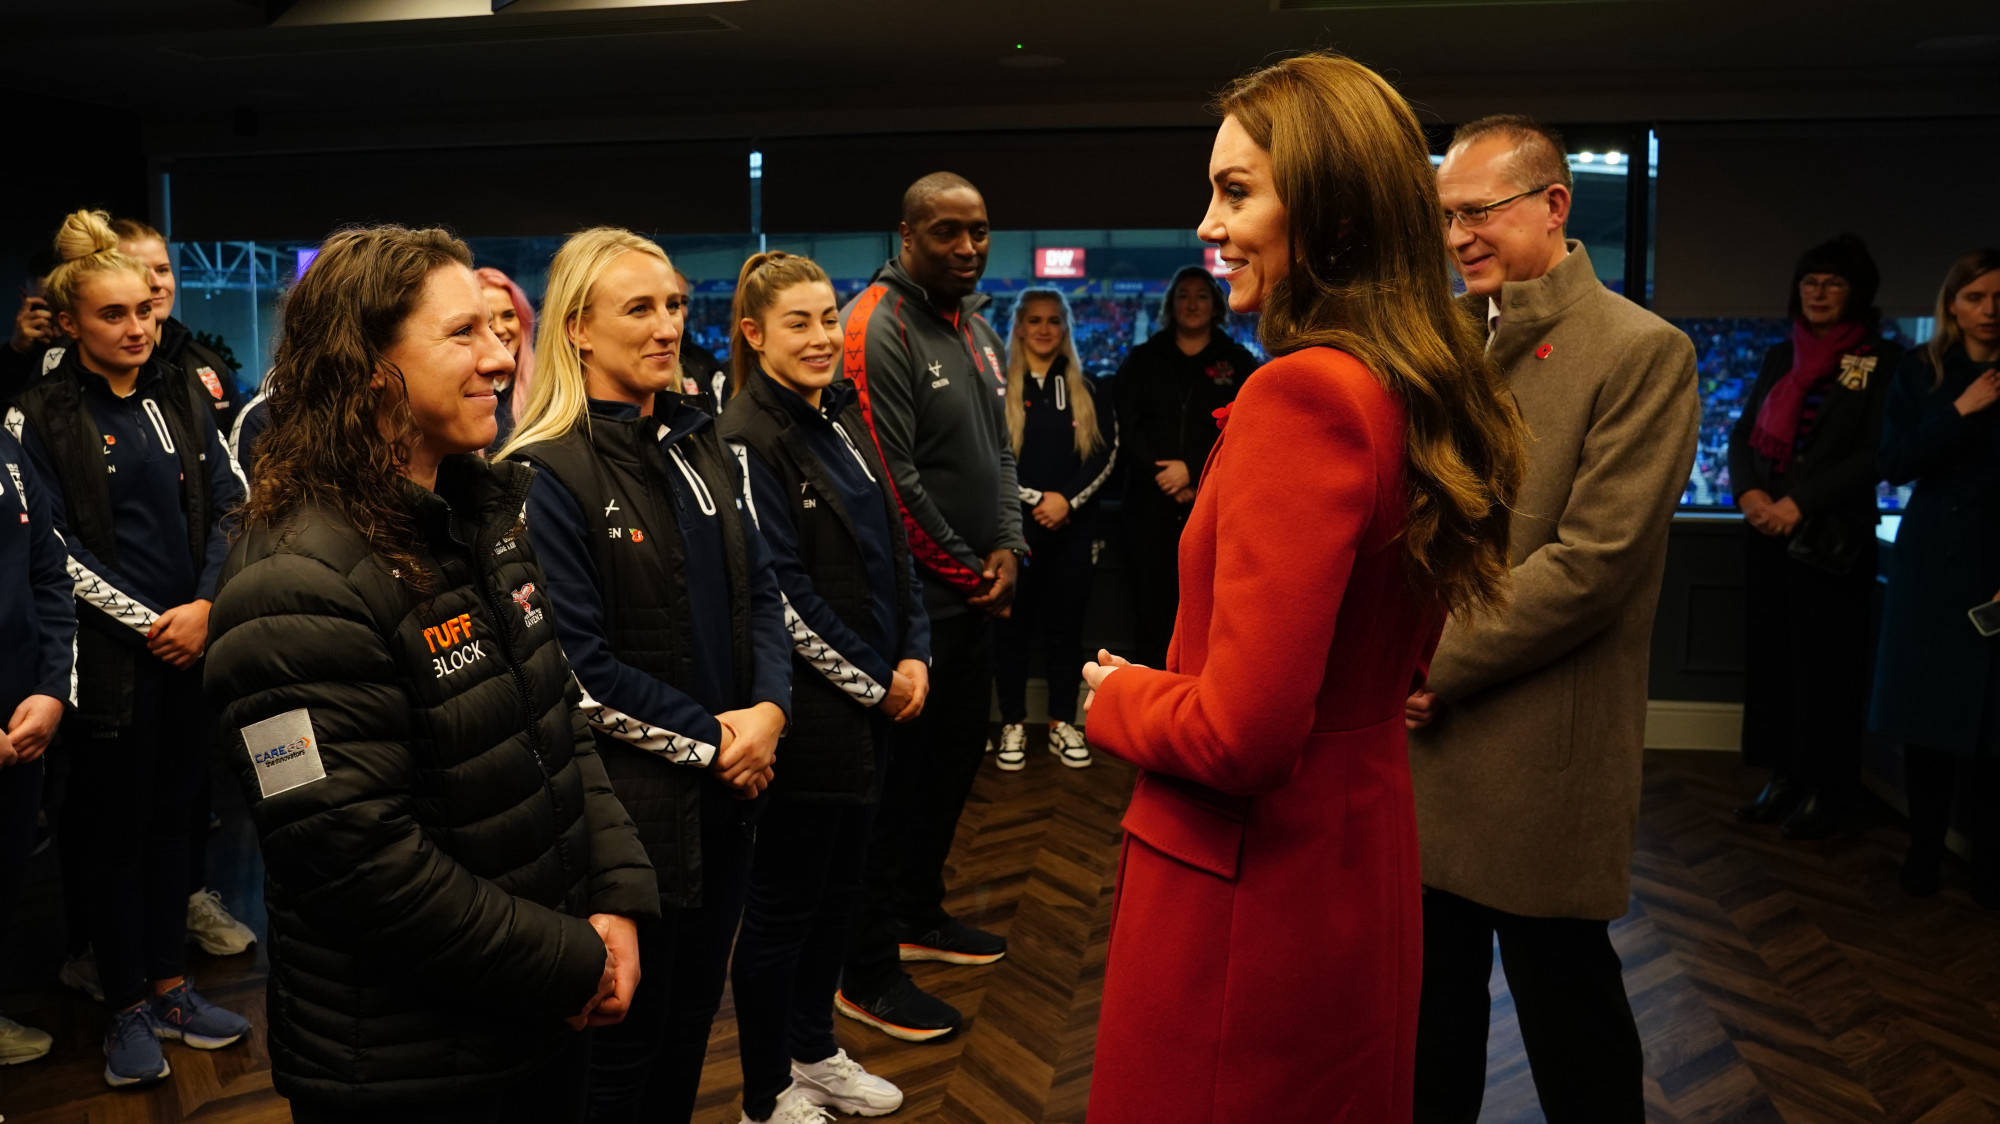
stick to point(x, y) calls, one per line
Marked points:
point(85, 233)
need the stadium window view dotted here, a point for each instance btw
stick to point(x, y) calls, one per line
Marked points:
point(1205, 562)
point(1115, 280)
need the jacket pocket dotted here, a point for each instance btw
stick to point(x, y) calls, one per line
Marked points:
point(1186, 821)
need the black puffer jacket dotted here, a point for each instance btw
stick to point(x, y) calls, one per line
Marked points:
point(427, 897)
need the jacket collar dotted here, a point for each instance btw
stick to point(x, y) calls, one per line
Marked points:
point(896, 277)
point(771, 394)
point(90, 382)
point(673, 418)
point(471, 490)
point(1551, 294)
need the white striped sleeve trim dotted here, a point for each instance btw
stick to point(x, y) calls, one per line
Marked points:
point(106, 598)
point(21, 490)
point(810, 645)
point(678, 749)
point(813, 648)
point(1110, 462)
point(91, 589)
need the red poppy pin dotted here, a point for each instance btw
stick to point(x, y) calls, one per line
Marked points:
point(1221, 415)
point(1544, 351)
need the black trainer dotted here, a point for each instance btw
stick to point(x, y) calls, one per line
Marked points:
point(954, 942)
point(905, 1011)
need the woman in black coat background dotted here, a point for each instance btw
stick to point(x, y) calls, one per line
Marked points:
point(1802, 463)
point(1167, 392)
point(1937, 681)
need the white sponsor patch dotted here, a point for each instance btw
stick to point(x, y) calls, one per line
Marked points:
point(284, 752)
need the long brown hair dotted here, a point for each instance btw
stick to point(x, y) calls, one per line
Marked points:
point(764, 275)
point(1966, 269)
point(325, 447)
point(1368, 276)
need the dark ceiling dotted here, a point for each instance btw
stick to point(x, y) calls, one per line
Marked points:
point(218, 75)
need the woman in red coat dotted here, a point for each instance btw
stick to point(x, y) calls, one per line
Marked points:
point(1265, 942)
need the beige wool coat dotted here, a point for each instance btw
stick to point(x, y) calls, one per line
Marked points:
point(1527, 784)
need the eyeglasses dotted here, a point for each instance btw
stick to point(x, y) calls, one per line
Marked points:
point(1827, 285)
point(1476, 216)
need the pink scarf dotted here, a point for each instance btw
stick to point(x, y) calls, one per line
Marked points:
point(1814, 359)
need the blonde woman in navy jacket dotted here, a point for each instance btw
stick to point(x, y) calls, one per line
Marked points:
point(1065, 443)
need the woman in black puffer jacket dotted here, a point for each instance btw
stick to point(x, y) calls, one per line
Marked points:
point(450, 878)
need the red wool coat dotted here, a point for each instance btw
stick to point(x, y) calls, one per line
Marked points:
point(1266, 936)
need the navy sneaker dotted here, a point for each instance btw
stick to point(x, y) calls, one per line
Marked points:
point(905, 1011)
point(182, 1013)
point(954, 942)
point(131, 1054)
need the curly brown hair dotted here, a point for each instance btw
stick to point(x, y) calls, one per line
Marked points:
point(326, 446)
point(1369, 277)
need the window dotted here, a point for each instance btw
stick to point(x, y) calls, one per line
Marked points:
point(1728, 352)
point(231, 290)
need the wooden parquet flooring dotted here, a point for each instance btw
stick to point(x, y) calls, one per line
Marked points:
point(1772, 981)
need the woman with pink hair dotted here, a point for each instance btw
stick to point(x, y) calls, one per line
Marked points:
point(512, 318)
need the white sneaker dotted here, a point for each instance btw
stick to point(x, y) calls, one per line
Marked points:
point(80, 972)
point(24, 1043)
point(1066, 742)
point(1013, 747)
point(210, 926)
point(840, 1083)
point(794, 1107)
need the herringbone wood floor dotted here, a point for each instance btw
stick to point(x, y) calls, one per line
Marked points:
point(1772, 981)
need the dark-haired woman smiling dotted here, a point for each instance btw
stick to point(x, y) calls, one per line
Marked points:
point(1265, 946)
point(450, 879)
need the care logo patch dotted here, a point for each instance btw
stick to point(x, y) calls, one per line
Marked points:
point(284, 753)
point(211, 381)
point(452, 645)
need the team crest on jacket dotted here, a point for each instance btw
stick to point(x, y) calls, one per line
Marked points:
point(530, 616)
point(1222, 373)
point(209, 380)
point(1855, 369)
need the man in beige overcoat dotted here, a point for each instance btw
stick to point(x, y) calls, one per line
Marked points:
point(1526, 742)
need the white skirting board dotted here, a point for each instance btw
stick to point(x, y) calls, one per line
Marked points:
point(1674, 724)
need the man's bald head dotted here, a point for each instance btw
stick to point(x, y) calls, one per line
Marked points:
point(919, 197)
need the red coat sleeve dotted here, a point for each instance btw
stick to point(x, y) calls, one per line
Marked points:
point(1295, 487)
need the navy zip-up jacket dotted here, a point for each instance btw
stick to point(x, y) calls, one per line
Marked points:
point(861, 494)
point(37, 611)
point(1048, 459)
point(154, 568)
point(685, 710)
